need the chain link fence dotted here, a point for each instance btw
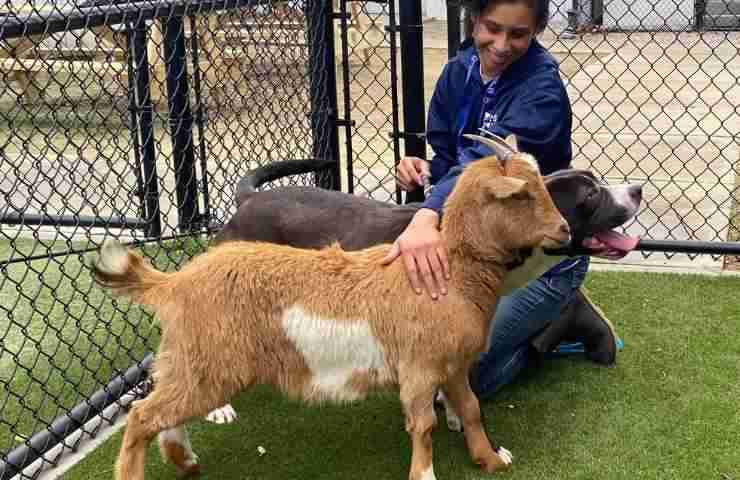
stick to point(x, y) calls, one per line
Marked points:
point(655, 88)
point(137, 118)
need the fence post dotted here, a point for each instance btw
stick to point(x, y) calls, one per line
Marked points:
point(181, 123)
point(412, 73)
point(700, 10)
point(141, 103)
point(453, 28)
point(323, 90)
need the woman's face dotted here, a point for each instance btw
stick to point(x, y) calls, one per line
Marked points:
point(502, 34)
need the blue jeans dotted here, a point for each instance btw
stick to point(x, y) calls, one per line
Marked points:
point(519, 317)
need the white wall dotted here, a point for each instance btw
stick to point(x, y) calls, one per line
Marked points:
point(648, 14)
point(434, 9)
point(558, 9)
point(619, 14)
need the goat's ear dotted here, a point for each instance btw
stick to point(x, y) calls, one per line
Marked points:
point(502, 188)
point(512, 141)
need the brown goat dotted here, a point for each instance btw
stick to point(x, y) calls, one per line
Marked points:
point(329, 325)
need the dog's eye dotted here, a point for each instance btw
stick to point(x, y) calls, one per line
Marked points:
point(592, 194)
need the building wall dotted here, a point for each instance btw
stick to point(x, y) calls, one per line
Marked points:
point(617, 14)
point(648, 14)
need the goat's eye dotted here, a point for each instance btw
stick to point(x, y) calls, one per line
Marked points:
point(525, 195)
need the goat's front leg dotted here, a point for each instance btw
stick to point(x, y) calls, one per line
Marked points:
point(464, 402)
point(418, 405)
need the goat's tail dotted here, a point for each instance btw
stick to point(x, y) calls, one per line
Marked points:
point(126, 273)
point(257, 177)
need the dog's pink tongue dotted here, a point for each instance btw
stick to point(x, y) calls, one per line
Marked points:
point(618, 241)
point(611, 245)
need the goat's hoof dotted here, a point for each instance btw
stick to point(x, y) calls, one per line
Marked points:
point(225, 414)
point(502, 460)
point(190, 470)
point(181, 456)
point(177, 451)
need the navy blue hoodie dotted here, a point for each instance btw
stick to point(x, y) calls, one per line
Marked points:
point(529, 100)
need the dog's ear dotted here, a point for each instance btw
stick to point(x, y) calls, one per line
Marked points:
point(503, 187)
point(512, 142)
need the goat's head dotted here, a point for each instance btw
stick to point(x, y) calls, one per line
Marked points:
point(502, 204)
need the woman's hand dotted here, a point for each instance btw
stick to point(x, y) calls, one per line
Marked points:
point(411, 171)
point(424, 254)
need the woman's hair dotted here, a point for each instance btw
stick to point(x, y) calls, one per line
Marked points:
point(541, 9)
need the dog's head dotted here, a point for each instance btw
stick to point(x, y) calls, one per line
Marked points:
point(593, 211)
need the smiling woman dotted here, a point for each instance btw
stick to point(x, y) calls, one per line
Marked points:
point(502, 81)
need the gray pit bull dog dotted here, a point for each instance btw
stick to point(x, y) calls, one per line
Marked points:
point(309, 217)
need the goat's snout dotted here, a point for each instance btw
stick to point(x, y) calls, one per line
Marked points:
point(558, 235)
point(564, 231)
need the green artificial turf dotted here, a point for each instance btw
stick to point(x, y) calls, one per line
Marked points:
point(668, 410)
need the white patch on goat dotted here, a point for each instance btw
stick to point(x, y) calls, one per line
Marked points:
point(428, 474)
point(335, 350)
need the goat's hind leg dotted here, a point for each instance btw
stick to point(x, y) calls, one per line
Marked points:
point(465, 403)
point(166, 408)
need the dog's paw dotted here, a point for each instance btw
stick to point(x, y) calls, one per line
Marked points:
point(454, 424)
point(225, 414)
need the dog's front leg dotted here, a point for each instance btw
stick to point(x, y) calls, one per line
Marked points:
point(464, 402)
point(418, 405)
point(454, 423)
point(222, 415)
